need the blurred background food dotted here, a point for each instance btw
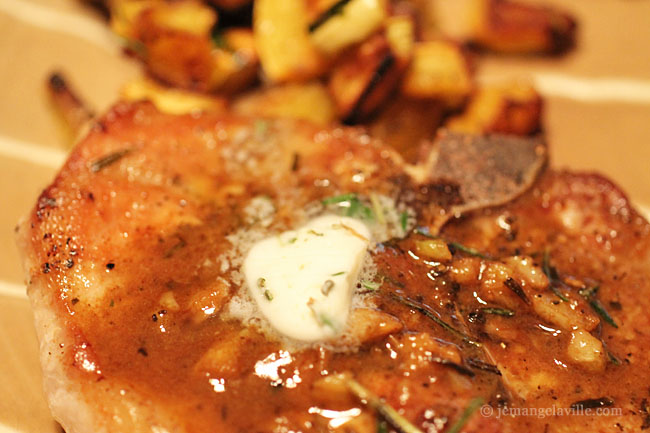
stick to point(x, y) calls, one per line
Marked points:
point(577, 72)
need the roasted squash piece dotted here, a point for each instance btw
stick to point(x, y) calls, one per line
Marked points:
point(508, 109)
point(347, 22)
point(513, 27)
point(234, 62)
point(363, 79)
point(400, 34)
point(503, 26)
point(282, 41)
point(124, 13)
point(439, 70)
point(309, 101)
point(171, 100)
point(178, 47)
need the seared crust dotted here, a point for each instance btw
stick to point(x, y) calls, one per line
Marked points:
point(144, 203)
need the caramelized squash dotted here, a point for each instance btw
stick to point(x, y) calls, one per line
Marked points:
point(283, 42)
point(439, 70)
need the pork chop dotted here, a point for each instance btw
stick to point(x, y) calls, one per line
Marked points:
point(133, 259)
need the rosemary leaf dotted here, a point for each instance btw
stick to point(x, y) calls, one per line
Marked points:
point(559, 294)
point(431, 314)
point(107, 160)
point(498, 311)
point(473, 405)
point(467, 250)
point(517, 289)
point(383, 408)
point(404, 220)
point(589, 294)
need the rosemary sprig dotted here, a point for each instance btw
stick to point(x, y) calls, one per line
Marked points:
point(383, 408)
point(551, 274)
point(473, 405)
point(431, 314)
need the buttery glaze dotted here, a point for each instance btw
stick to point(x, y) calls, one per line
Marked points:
point(134, 264)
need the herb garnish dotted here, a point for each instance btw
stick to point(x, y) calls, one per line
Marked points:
point(551, 274)
point(517, 289)
point(370, 285)
point(338, 273)
point(592, 403)
point(351, 201)
point(498, 311)
point(107, 160)
point(314, 232)
point(404, 220)
point(589, 295)
point(467, 250)
point(382, 408)
point(433, 315)
point(473, 405)
point(261, 284)
point(484, 366)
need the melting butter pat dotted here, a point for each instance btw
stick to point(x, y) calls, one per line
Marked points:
point(303, 280)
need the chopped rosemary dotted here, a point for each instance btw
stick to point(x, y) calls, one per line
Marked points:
point(498, 311)
point(338, 199)
point(109, 159)
point(268, 295)
point(592, 403)
point(484, 366)
point(370, 285)
point(382, 408)
point(404, 220)
point(261, 283)
point(556, 291)
point(517, 289)
point(324, 320)
point(293, 240)
point(473, 405)
point(467, 250)
point(589, 294)
point(177, 246)
point(433, 315)
point(551, 274)
point(315, 233)
point(351, 201)
point(338, 273)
